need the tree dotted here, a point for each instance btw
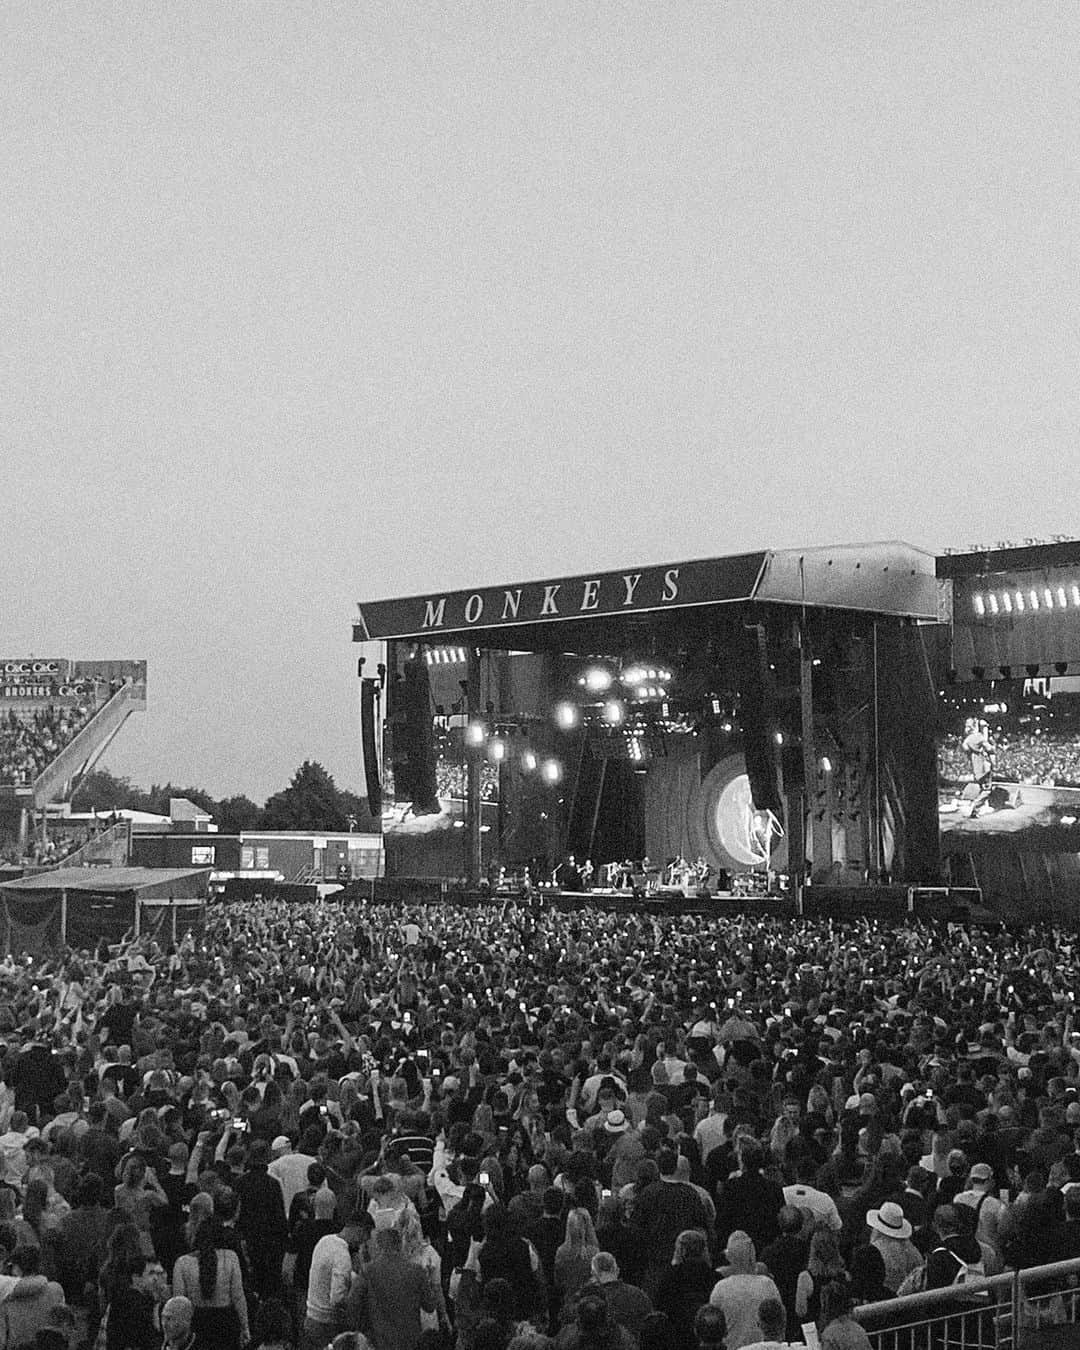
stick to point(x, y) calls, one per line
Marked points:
point(103, 791)
point(312, 801)
point(236, 814)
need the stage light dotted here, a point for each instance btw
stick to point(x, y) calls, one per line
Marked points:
point(528, 761)
point(475, 733)
point(614, 712)
point(567, 715)
point(1074, 591)
point(1033, 596)
point(826, 764)
point(725, 726)
point(1048, 596)
point(459, 824)
point(598, 679)
point(779, 738)
point(1062, 601)
point(980, 605)
point(497, 750)
point(1006, 601)
point(634, 675)
point(636, 751)
point(551, 770)
point(1068, 820)
point(991, 600)
point(1020, 605)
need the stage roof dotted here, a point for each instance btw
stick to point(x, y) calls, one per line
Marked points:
point(149, 882)
point(893, 579)
point(1017, 558)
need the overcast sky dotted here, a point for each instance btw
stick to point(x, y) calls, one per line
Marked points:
point(306, 303)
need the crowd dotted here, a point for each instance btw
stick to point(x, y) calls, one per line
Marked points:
point(506, 1126)
point(38, 853)
point(1051, 759)
point(450, 780)
point(29, 742)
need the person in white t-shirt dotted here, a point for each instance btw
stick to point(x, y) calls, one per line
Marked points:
point(804, 1195)
point(710, 1130)
point(740, 1293)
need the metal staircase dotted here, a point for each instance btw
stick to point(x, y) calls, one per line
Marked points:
point(59, 778)
point(110, 848)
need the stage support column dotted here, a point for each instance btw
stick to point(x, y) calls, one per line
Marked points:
point(794, 771)
point(474, 863)
point(820, 820)
point(875, 764)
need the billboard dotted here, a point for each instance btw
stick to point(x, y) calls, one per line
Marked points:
point(35, 681)
point(1009, 760)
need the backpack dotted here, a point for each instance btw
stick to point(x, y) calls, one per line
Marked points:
point(967, 1271)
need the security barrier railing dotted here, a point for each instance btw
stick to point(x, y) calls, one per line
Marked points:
point(1034, 1309)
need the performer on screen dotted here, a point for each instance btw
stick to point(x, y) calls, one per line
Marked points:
point(979, 747)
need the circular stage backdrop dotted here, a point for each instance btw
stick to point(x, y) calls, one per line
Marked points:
point(724, 827)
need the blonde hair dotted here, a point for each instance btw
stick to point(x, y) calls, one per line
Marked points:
point(412, 1233)
point(580, 1233)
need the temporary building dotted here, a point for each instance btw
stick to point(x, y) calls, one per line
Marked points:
point(78, 906)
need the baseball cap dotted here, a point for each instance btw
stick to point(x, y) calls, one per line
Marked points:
point(981, 1172)
point(281, 1144)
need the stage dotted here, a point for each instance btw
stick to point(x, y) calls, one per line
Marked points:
point(839, 902)
point(766, 711)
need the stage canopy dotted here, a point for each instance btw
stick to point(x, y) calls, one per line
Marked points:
point(893, 579)
point(80, 905)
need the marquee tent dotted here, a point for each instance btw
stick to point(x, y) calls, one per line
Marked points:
point(81, 905)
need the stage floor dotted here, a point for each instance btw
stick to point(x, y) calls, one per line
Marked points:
point(838, 901)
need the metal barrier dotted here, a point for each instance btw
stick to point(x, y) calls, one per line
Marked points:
point(1036, 1309)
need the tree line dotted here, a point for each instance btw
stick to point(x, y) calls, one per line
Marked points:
point(312, 801)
